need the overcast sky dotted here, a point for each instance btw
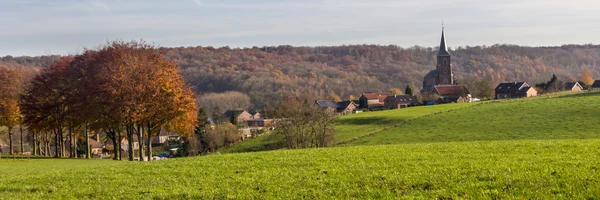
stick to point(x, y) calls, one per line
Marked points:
point(37, 27)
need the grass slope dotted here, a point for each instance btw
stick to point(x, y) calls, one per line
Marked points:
point(546, 169)
point(557, 117)
point(355, 126)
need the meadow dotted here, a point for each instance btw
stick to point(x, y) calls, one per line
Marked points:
point(562, 116)
point(546, 147)
point(538, 169)
point(355, 126)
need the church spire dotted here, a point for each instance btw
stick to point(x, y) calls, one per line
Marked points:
point(443, 50)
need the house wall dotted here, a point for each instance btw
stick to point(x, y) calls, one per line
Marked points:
point(351, 107)
point(373, 101)
point(244, 116)
point(503, 96)
point(393, 103)
point(362, 102)
point(260, 123)
point(532, 92)
point(576, 88)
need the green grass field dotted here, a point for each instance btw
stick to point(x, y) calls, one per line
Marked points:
point(542, 169)
point(355, 126)
point(536, 148)
point(571, 116)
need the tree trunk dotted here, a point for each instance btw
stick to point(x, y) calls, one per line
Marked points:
point(70, 142)
point(87, 142)
point(119, 138)
point(141, 142)
point(61, 142)
point(56, 147)
point(75, 145)
point(129, 130)
point(21, 132)
point(149, 145)
point(113, 137)
point(35, 147)
point(10, 141)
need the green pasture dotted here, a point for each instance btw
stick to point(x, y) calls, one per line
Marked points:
point(518, 169)
point(570, 116)
point(354, 126)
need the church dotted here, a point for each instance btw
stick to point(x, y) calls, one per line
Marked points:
point(440, 81)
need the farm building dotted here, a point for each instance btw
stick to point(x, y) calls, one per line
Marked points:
point(514, 90)
point(450, 93)
point(558, 85)
point(573, 86)
point(596, 85)
point(372, 101)
point(240, 115)
point(342, 107)
point(346, 107)
point(399, 101)
point(260, 122)
point(329, 105)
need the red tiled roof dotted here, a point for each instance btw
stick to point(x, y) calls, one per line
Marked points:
point(374, 95)
point(451, 90)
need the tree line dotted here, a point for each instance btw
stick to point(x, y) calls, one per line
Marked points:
point(123, 89)
point(318, 72)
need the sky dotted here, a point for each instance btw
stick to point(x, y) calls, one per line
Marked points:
point(41, 27)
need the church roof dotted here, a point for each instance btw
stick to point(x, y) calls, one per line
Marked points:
point(451, 90)
point(432, 74)
point(443, 49)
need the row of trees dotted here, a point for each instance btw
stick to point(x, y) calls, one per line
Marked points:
point(123, 89)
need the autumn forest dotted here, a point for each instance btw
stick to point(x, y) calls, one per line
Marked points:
point(267, 73)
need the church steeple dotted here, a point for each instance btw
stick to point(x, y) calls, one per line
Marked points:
point(443, 50)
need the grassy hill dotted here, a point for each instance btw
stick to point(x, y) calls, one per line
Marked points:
point(535, 148)
point(532, 169)
point(558, 116)
point(355, 126)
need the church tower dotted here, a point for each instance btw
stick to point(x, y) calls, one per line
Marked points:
point(444, 66)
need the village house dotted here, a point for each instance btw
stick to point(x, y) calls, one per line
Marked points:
point(125, 143)
point(342, 107)
point(240, 115)
point(260, 122)
point(573, 86)
point(595, 85)
point(400, 101)
point(346, 107)
point(255, 115)
point(514, 90)
point(558, 85)
point(450, 93)
point(95, 145)
point(372, 101)
point(328, 105)
point(163, 137)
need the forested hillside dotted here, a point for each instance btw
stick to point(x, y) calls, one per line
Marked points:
point(269, 72)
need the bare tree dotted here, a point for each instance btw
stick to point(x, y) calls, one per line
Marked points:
point(218, 103)
point(302, 125)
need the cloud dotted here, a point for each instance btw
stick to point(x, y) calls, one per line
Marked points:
point(101, 6)
point(298, 22)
